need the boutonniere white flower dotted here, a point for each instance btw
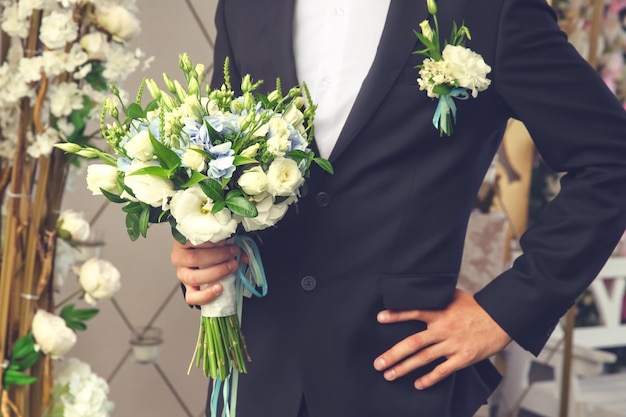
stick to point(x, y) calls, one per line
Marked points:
point(456, 72)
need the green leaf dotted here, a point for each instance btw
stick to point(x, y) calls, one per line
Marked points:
point(144, 221)
point(12, 377)
point(134, 111)
point(153, 105)
point(212, 189)
point(441, 89)
point(23, 346)
point(241, 206)
point(133, 207)
point(28, 361)
point(154, 171)
point(213, 134)
point(132, 226)
point(114, 198)
point(219, 206)
point(243, 160)
point(196, 177)
point(297, 155)
point(180, 238)
point(324, 164)
point(168, 158)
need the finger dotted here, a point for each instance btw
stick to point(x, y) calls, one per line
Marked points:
point(390, 316)
point(440, 372)
point(196, 277)
point(411, 363)
point(402, 350)
point(195, 296)
point(183, 257)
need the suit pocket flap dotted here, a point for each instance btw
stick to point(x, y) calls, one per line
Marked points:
point(425, 292)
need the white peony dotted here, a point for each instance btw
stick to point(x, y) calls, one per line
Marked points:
point(99, 279)
point(118, 21)
point(269, 214)
point(73, 225)
point(253, 181)
point(149, 189)
point(102, 176)
point(192, 210)
point(52, 335)
point(139, 147)
point(283, 177)
point(467, 67)
point(57, 29)
point(78, 392)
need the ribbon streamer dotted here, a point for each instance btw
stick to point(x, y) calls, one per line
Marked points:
point(446, 106)
point(251, 280)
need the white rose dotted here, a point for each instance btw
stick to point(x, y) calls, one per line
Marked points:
point(278, 143)
point(52, 335)
point(139, 147)
point(99, 279)
point(72, 225)
point(283, 177)
point(96, 45)
point(192, 210)
point(102, 176)
point(118, 21)
point(269, 214)
point(467, 67)
point(253, 181)
point(148, 188)
point(193, 159)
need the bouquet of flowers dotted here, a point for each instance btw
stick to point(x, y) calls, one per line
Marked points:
point(211, 164)
point(454, 72)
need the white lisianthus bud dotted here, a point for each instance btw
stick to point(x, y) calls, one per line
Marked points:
point(246, 84)
point(169, 84)
point(72, 225)
point(154, 89)
point(274, 95)
point(251, 151)
point(88, 153)
point(148, 188)
point(139, 147)
point(426, 30)
point(68, 147)
point(52, 335)
point(193, 87)
point(293, 116)
point(193, 107)
point(283, 177)
point(299, 102)
point(253, 181)
point(99, 279)
point(96, 45)
point(180, 91)
point(248, 101)
point(194, 159)
point(432, 7)
point(199, 69)
point(184, 63)
point(118, 21)
point(102, 177)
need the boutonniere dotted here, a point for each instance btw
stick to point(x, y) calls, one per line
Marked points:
point(456, 72)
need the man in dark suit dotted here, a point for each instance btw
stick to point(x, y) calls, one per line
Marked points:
point(362, 317)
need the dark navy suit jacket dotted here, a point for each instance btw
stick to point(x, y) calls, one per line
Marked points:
point(386, 230)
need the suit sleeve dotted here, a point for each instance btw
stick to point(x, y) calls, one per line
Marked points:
point(579, 128)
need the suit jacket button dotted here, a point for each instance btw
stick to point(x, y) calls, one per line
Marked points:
point(308, 283)
point(322, 199)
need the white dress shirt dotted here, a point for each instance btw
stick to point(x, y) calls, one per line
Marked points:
point(335, 42)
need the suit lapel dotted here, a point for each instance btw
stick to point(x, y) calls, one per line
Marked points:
point(395, 47)
point(281, 43)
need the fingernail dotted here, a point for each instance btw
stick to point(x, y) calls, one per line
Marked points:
point(380, 364)
point(383, 316)
point(232, 265)
point(390, 375)
point(216, 289)
point(419, 385)
point(234, 250)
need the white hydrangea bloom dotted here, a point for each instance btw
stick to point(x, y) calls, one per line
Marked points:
point(44, 143)
point(120, 62)
point(57, 29)
point(12, 24)
point(64, 98)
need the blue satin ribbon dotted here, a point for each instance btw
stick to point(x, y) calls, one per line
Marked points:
point(446, 106)
point(251, 280)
